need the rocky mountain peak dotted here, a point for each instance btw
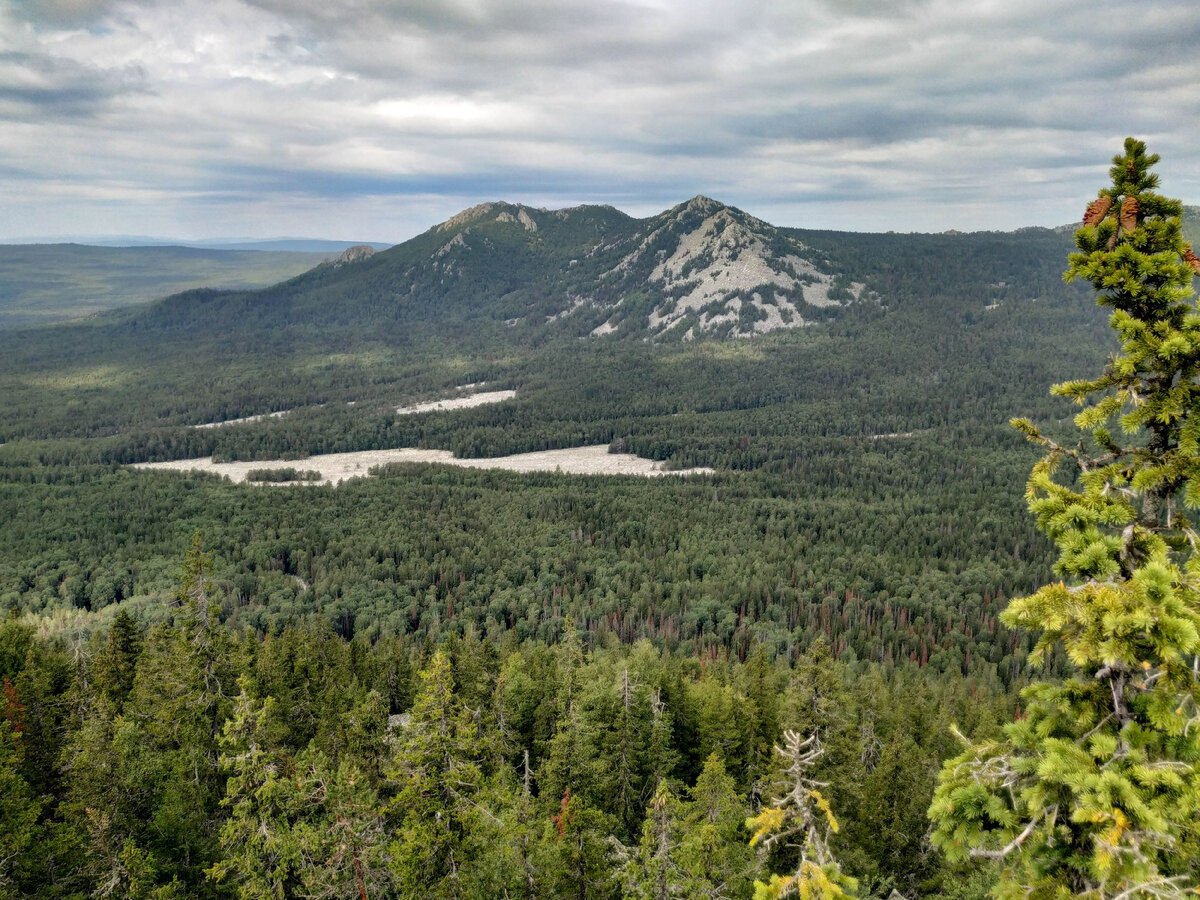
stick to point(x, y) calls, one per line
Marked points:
point(699, 268)
point(354, 254)
point(468, 215)
point(720, 270)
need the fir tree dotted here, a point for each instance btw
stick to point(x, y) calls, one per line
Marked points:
point(263, 852)
point(1095, 791)
point(439, 786)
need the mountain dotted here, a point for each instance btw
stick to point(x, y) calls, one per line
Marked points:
point(706, 268)
point(864, 454)
point(567, 307)
point(698, 269)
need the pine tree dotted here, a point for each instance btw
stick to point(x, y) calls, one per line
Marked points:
point(1095, 791)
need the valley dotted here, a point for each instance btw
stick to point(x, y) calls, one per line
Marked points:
point(455, 456)
point(885, 406)
point(45, 283)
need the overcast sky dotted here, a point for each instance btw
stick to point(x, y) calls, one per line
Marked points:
point(363, 120)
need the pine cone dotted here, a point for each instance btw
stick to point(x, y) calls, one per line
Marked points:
point(1129, 214)
point(1189, 257)
point(1097, 210)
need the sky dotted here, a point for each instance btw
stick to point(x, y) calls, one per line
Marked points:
point(361, 120)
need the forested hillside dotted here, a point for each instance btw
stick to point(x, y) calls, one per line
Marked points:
point(864, 487)
point(196, 759)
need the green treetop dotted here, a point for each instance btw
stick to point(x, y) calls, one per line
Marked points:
point(1095, 791)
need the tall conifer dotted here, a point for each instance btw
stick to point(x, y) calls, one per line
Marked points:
point(1095, 792)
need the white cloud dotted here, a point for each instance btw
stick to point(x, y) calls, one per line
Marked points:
point(373, 118)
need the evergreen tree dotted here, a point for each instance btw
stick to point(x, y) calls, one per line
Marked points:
point(568, 750)
point(1095, 791)
point(580, 861)
point(620, 718)
point(263, 853)
point(712, 845)
point(762, 710)
point(440, 783)
point(115, 664)
point(651, 871)
point(342, 840)
point(520, 854)
point(799, 819)
point(19, 811)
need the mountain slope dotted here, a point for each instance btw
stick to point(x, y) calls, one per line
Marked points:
point(701, 268)
point(570, 308)
point(706, 268)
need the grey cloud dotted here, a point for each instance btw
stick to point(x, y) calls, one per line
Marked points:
point(62, 13)
point(68, 14)
point(50, 87)
point(820, 102)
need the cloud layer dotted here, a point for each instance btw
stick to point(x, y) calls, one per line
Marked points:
point(374, 120)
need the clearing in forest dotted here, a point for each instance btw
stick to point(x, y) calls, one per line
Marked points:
point(337, 467)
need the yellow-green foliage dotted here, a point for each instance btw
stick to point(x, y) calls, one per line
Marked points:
point(1095, 792)
point(800, 817)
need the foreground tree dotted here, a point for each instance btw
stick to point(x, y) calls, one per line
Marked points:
point(800, 820)
point(263, 854)
point(437, 810)
point(1095, 791)
point(19, 811)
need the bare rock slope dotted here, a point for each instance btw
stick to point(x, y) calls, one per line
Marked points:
point(700, 268)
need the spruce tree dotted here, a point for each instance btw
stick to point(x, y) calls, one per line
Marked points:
point(1095, 791)
point(712, 847)
point(343, 840)
point(437, 809)
point(19, 811)
point(263, 855)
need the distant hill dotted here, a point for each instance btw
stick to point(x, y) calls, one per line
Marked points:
point(698, 269)
point(299, 245)
point(571, 308)
point(45, 283)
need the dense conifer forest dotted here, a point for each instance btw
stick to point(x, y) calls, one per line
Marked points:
point(437, 682)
